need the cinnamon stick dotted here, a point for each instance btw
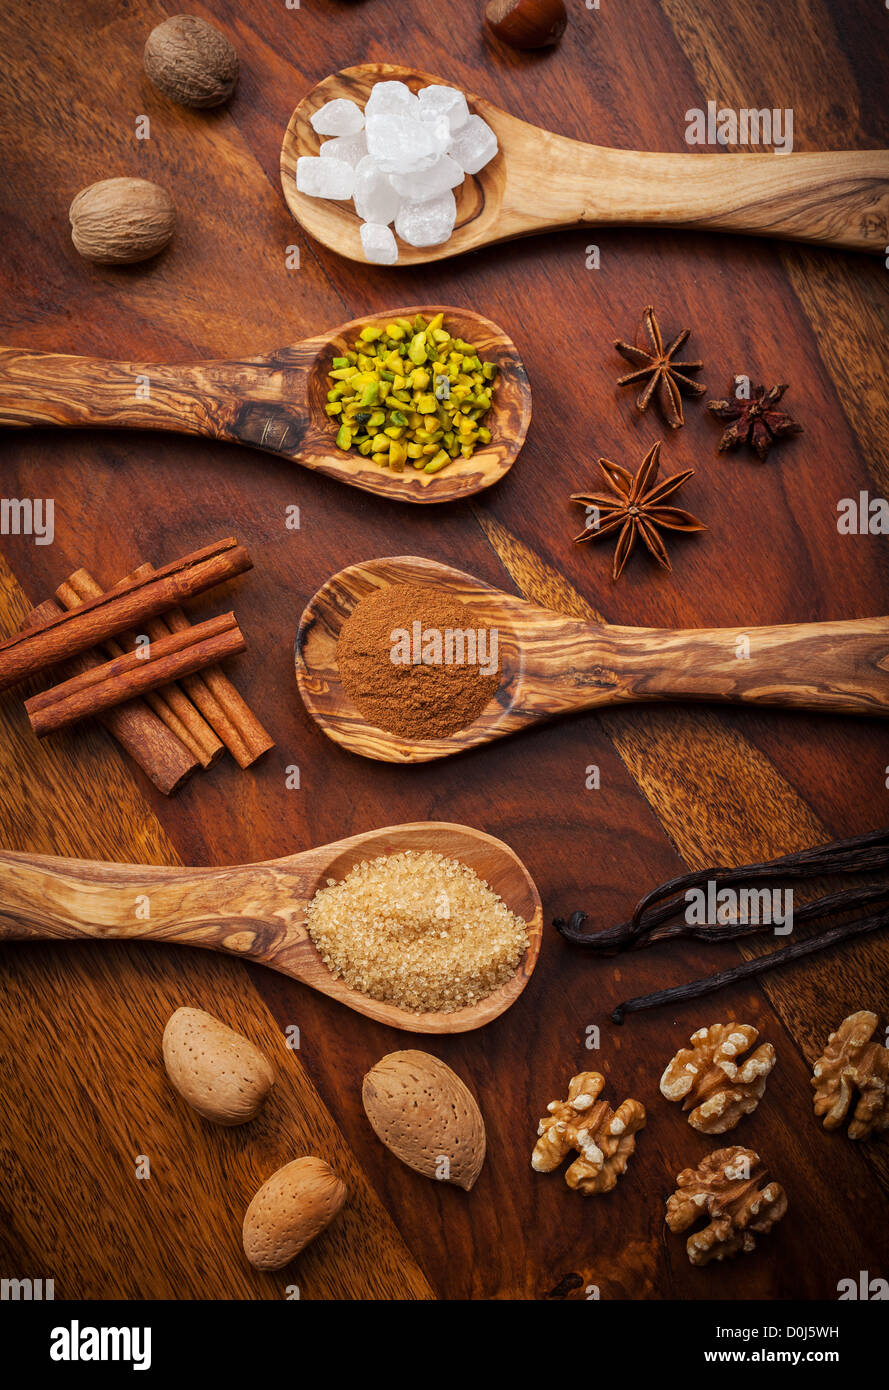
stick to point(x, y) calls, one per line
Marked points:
point(34, 649)
point(169, 703)
point(69, 596)
point(122, 678)
point(163, 759)
point(217, 699)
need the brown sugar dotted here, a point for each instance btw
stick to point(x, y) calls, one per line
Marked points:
point(418, 930)
point(415, 661)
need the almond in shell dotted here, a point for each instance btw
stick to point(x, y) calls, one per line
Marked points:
point(423, 1112)
point(289, 1210)
point(216, 1070)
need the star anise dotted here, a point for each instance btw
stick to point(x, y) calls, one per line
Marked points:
point(635, 507)
point(755, 421)
point(660, 373)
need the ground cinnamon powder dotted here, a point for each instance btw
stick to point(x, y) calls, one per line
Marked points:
point(418, 698)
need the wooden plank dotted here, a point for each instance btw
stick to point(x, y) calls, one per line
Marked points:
point(676, 786)
point(75, 1105)
point(669, 752)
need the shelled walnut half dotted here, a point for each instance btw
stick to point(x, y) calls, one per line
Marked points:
point(603, 1138)
point(853, 1063)
point(731, 1187)
point(710, 1081)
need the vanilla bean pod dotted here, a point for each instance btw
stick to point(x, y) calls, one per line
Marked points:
point(680, 993)
point(855, 855)
point(859, 854)
point(844, 900)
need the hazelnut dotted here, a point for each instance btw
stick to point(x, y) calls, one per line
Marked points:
point(191, 62)
point(120, 221)
point(527, 23)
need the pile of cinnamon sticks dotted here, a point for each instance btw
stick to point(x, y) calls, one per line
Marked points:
point(134, 661)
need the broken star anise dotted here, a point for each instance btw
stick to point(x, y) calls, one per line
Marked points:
point(663, 377)
point(635, 505)
point(756, 421)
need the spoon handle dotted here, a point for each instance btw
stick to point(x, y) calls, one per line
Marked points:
point(258, 401)
point(46, 388)
point(42, 897)
point(837, 666)
point(836, 198)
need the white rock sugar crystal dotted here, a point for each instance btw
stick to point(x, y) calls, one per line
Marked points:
point(378, 244)
point(444, 101)
point(325, 178)
point(401, 145)
point(441, 133)
point(400, 160)
point(375, 198)
point(429, 223)
point(474, 145)
point(351, 149)
point(391, 98)
point(339, 117)
point(430, 182)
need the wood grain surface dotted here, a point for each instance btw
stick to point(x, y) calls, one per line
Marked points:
point(258, 911)
point(551, 664)
point(274, 402)
point(82, 1088)
point(539, 181)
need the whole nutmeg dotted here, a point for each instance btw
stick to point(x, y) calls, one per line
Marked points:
point(191, 62)
point(527, 23)
point(291, 1208)
point(120, 221)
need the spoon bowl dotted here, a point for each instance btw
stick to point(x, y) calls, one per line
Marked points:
point(552, 664)
point(274, 402)
point(541, 181)
point(318, 675)
point(480, 197)
point(258, 911)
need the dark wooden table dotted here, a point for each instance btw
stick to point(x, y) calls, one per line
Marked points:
point(82, 1089)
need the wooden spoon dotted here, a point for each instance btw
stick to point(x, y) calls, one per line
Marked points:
point(539, 181)
point(552, 664)
point(275, 402)
point(257, 911)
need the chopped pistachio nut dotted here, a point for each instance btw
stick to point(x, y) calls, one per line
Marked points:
point(407, 393)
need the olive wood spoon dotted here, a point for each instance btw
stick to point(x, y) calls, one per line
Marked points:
point(540, 181)
point(257, 911)
point(275, 402)
point(552, 664)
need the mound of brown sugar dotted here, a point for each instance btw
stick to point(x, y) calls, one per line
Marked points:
point(437, 683)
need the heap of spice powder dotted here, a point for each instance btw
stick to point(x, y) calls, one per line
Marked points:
point(418, 930)
point(420, 699)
